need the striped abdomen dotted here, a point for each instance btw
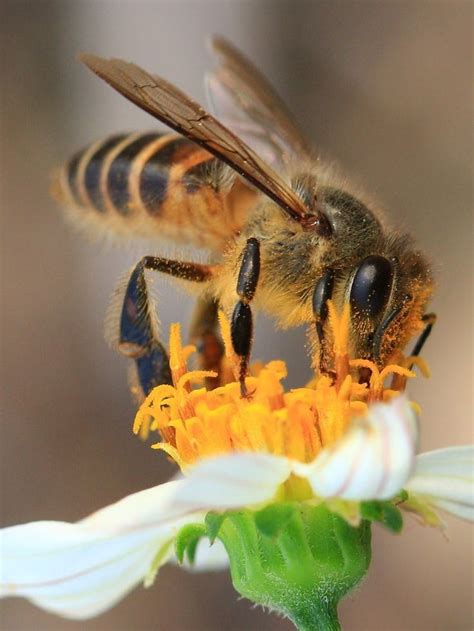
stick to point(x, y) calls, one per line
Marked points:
point(151, 184)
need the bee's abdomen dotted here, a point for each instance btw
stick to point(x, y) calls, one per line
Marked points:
point(144, 183)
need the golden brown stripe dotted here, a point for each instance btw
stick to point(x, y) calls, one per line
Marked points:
point(83, 196)
point(71, 180)
point(136, 203)
point(108, 160)
point(118, 177)
point(90, 169)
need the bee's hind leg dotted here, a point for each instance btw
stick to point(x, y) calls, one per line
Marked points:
point(242, 320)
point(205, 335)
point(137, 327)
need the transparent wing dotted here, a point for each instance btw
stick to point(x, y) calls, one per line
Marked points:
point(246, 102)
point(171, 106)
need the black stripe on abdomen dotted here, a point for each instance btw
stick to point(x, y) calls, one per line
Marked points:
point(119, 172)
point(154, 177)
point(93, 171)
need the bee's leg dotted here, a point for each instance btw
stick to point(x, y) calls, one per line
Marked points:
point(204, 334)
point(242, 321)
point(322, 293)
point(429, 319)
point(138, 330)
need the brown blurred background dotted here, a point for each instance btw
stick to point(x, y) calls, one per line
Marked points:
point(385, 88)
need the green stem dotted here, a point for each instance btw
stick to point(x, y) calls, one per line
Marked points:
point(316, 616)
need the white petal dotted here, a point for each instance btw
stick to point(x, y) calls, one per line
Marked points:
point(232, 481)
point(79, 570)
point(446, 478)
point(465, 511)
point(372, 460)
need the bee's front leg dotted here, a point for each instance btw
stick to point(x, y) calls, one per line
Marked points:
point(138, 328)
point(322, 293)
point(429, 320)
point(242, 320)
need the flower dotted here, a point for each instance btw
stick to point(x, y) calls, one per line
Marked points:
point(335, 447)
point(199, 423)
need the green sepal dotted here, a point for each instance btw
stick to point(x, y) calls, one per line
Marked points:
point(187, 540)
point(401, 497)
point(272, 519)
point(384, 512)
point(423, 509)
point(392, 518)
point(213, 523)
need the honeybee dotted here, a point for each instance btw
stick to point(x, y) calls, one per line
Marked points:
point(284, 231)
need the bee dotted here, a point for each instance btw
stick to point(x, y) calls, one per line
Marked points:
point(286, 233)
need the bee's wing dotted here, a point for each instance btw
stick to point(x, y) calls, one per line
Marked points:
point(246, 102)
point(171, 106)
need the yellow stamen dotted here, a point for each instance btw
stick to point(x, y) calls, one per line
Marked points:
point(420, 363)
point(340, 332)
point(178, 355)
point(194, 423)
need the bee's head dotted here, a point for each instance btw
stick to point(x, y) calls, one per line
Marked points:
point(387, 294)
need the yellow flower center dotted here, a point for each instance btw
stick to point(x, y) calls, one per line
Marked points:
point(194, 423)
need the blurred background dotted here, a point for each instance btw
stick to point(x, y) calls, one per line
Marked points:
point(384, 88)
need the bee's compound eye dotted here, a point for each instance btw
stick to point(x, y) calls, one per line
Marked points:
point(372, 285)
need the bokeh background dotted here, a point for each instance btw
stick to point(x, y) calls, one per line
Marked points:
point(385, 88)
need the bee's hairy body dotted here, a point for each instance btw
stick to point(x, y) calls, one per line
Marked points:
point(285, 241)
point(163, 185)
point(150, 185)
